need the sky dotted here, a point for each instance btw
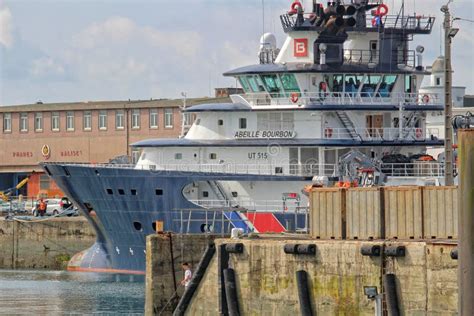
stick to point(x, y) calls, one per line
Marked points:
point(91, 50)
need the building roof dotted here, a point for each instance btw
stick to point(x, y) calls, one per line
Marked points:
point(102, 105)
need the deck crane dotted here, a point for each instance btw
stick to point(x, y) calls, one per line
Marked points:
point(5, 195)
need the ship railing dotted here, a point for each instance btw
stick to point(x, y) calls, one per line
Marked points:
point(265, 169)
point(364, 97)
point(382, 134)
point(411, 23)
point(249, 205)
point(218, 220)
point(414, 169)
point(407, 22)
point(363, 56)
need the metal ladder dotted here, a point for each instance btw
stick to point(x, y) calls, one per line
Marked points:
point(218, 191)
point(347, 123)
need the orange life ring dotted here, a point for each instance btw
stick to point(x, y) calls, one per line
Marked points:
point(328, 132)
point(385, 10)
point(418, 133)
point(426, 99)
point(293, 9)
point(294, 97)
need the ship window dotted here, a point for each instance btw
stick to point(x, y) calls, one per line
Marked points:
point(370, 85)
point(220, 122)
point(205, 194)
point(235, 194)
point(178, 156)
point(133, 192)
point(137, 226)
point(273, 85)
point(278, 170)
point(337, 83)
point(242, 123)
point(213, 156)
point(438, 81)
point(110, 191)
point(386, 86)
point(289, 83)
point(158, 192)
point(244, 83)
point(352, 83)
point(121, 191)
point(253, 84)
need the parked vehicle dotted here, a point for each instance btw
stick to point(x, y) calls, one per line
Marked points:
point(56, 207)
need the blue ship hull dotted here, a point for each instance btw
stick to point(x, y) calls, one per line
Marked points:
point(122, 205)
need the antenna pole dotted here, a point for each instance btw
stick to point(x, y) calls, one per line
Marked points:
point(448, 102)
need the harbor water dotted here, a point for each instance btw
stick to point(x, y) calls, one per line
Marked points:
point(61, 292)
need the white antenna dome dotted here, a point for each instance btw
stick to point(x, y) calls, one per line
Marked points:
point(267, 42)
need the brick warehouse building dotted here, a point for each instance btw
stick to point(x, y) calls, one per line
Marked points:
point(79, 132)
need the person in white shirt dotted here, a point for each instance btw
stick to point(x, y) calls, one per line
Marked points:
point(188, 275)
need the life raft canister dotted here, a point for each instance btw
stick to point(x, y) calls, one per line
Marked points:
point(426, 99)
point(294, 97)
point(293, 9)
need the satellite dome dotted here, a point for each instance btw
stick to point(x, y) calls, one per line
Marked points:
point(268, 41)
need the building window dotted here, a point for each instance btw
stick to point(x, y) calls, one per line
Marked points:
point(44, 182)
point(70, 121)
point(168, 118)
point(136, 119)
point(242, 123)
point(39, 122)
point(153, 118)
point(87, 120)
point(7, 122)
point(23, 122)
point(103, 120)
point(55, 121)
point(119, 115)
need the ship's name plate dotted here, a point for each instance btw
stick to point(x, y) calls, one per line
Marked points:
point(264, 134)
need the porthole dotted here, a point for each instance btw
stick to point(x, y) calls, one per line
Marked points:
point(137, 226)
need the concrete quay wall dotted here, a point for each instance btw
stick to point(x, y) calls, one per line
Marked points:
point(165, 255)
point(43, 245)
point(426, 278)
